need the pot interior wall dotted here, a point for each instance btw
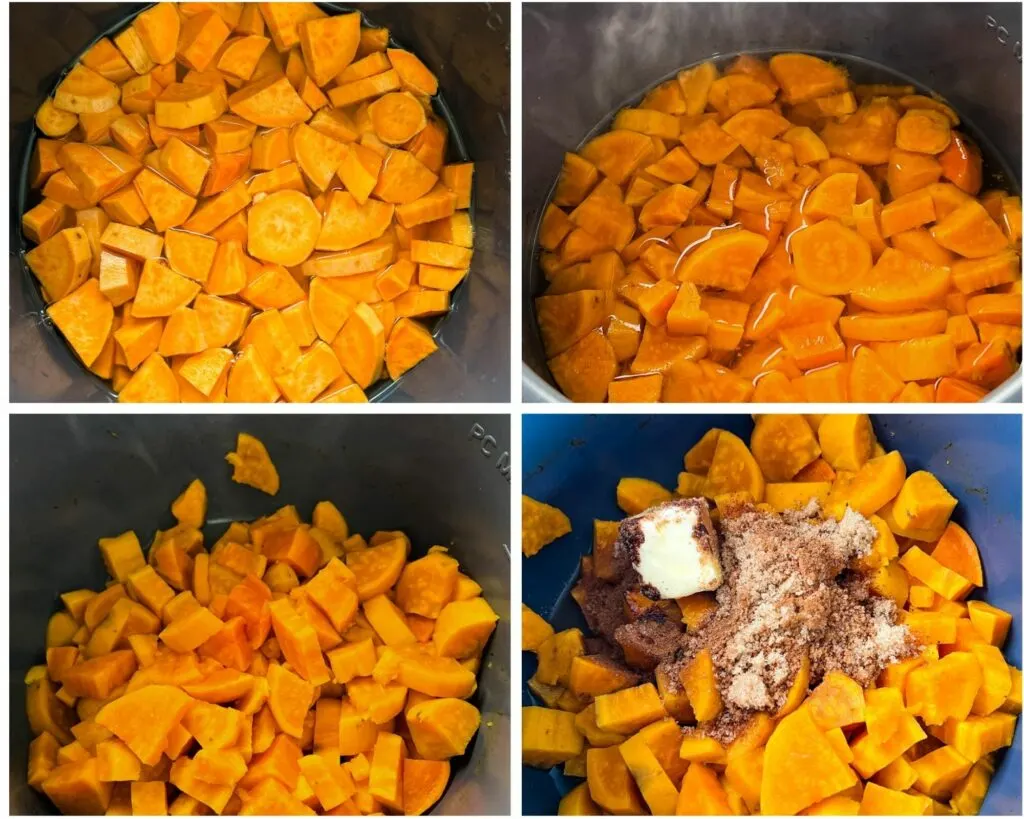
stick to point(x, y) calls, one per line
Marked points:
point(584, 61)
point(466, 45)
point(80, 478)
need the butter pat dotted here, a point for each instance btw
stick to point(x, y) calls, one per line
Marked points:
point(674, 548)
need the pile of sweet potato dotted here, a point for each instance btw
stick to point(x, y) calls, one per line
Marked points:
point(923, 740)
point(290, 669)
point(775, 233)
point(246, 202)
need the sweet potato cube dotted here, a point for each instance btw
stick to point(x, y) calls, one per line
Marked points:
point(698, 680)
point(131, 241)
point(191, 631)
point(782, 764)
point(333, 590)
point(43, 221)
point(991, 623)
point(611, 785)
point(61, 262)
point(143, 718)
point(549, 737)
point(298, 642)
point(85, 318)
point(96, 171)
point(75, 788)
point(629, 709)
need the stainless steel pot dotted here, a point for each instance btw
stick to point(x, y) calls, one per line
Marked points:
point(466, 44)
point(584, 61)
point(441, 479)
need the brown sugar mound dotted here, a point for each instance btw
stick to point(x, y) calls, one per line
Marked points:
point(788, 593)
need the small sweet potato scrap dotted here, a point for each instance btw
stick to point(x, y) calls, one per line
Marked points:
point(541, 525)
point(252, 464)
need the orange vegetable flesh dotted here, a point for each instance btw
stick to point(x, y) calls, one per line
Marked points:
point(198, 682)
point(280, 160)
point(924, 737)
point(838, 217)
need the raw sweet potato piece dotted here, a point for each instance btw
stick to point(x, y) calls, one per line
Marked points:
point(168, 206)
point(53, 121)
point(283, 228)
point(84, 91)
point(44, 220)
point(318, 154)
point(61, 262)
point(348, 224)
point(412, 72)
point(97, 172)
point(407, 345)
point(360, 346)
point(84, 317)
point(270, 102)
point(356, 91)
point(185, 105)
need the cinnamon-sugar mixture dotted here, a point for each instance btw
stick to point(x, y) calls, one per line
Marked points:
point(789, 591)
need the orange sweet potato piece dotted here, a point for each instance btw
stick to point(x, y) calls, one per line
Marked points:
point(283, 228)
point(961, 164)
point(289, 699)
point(407, 345)
point(360, 346)
point(413, 73)
point(442, 728)
point(796, 747)
point(970, 231)
point(298, 642)
point(270, 102)
point(829, 258)
point(725, 261)
point(584, 371)
point(867, 136)
point(85, 318)
point(957, 551)
point(83, 91)
point(924, 131)
point(423, 783)
point(185, 105)
point(617, 154)
point(253, 465)
point(61, 262)
point(348, 224)
point(900, 282)
point(53, 121)
point(805, 77)
point(565, 319)
point(328, 45)
point(143, 719)
point(75, 787)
